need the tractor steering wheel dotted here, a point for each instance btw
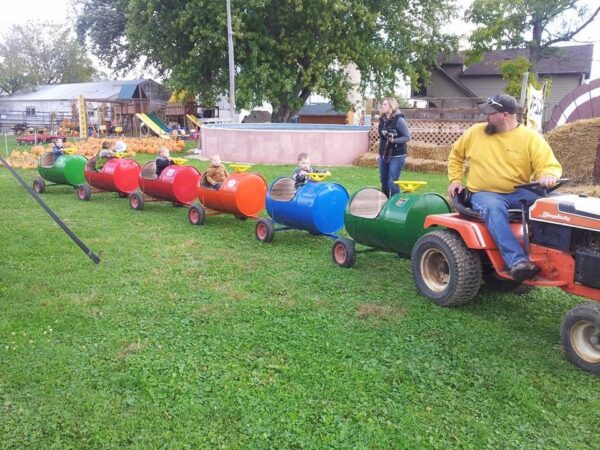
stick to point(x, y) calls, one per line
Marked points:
point(540, 190)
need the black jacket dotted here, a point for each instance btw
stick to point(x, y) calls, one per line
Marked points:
point(396, 127)
point(162, 164)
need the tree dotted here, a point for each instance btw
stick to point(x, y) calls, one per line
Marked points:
point(285, 50)
point(533, 24)
point(35, 54)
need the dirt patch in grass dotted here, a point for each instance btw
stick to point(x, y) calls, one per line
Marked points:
point(130, 349)
point(367, 310)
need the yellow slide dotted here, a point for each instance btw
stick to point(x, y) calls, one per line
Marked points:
point(193, 119)
point(152, 125)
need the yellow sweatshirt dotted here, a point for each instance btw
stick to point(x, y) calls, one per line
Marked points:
point(500, 161)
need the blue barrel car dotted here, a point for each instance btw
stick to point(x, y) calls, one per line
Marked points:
point(316, 207)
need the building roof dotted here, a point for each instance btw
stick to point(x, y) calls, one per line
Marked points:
point(563, 60)
point(320, 109)
point(109, 90)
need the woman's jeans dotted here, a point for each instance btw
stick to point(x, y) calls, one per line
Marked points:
point(494, 209)
point(390, 172)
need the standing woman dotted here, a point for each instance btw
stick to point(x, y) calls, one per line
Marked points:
point(393, 136)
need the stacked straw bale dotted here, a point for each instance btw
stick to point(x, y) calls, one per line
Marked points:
point(575, 146)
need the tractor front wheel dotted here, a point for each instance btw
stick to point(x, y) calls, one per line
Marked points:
point(581, 336)
point(445, 270)
point(343, 252)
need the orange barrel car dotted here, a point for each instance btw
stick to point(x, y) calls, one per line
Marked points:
point(176, 184)
point(242, 194)
point(119, 174)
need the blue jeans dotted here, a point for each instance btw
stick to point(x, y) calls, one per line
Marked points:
point(390, 172)
point(494, 209)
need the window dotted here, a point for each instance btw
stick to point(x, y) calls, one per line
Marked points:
point(30, 111)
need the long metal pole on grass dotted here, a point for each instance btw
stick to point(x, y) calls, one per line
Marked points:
point(59, 222)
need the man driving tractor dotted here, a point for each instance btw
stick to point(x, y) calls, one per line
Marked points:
point(501, 153)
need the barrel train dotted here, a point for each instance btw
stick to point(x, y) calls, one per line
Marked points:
point(451, 252)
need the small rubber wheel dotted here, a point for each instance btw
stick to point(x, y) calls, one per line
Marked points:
point(240, 217)
point(84, 192)
point(196, 215)
point(343, 252)
point(39, 185)
point(122, 194)
point(136, 201)
point(264, 230)
point(581, 336)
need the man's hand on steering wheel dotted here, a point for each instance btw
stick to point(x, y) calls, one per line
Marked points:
point(543, 190)
point(547, 181)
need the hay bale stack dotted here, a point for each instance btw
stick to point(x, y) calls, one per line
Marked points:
point(575, 146)
point(425, 165)
point(425, 150)
point(367, 160)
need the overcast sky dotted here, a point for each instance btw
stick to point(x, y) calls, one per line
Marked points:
point(22, 11)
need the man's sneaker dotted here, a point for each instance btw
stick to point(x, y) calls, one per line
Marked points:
point(524, 270)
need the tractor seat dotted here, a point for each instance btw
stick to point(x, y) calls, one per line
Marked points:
point(461, 202)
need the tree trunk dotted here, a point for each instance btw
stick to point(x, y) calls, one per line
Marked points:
point(281, 114)
point(535, 46)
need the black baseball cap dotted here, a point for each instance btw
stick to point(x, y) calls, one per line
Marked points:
point(499, 103)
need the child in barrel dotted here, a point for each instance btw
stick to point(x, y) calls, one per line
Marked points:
point(163, 160)
point(302, 170)
point(216, 173)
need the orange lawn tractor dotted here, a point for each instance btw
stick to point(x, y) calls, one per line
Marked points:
point(561, 235)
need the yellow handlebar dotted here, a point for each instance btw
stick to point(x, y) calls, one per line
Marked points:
point(318, 176)
point(69, 151)
point(410, 186)
point(239, 168)
point(179, 161)
point(121, 154)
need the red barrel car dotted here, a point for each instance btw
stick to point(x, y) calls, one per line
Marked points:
point(176, 184)
point(119, 174)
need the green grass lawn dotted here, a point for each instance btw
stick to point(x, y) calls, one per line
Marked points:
point(203, 337)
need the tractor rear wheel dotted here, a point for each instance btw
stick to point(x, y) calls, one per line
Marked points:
point(39, 185)
point(445, 270)
point(581, 336)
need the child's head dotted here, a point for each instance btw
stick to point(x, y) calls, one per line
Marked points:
point(163, 152)
point(215, 160)
point(105, 145)
point(58, 142)
point(120, 146)
point(303, 161)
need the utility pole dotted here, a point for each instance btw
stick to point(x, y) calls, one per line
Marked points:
point(231, 65)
